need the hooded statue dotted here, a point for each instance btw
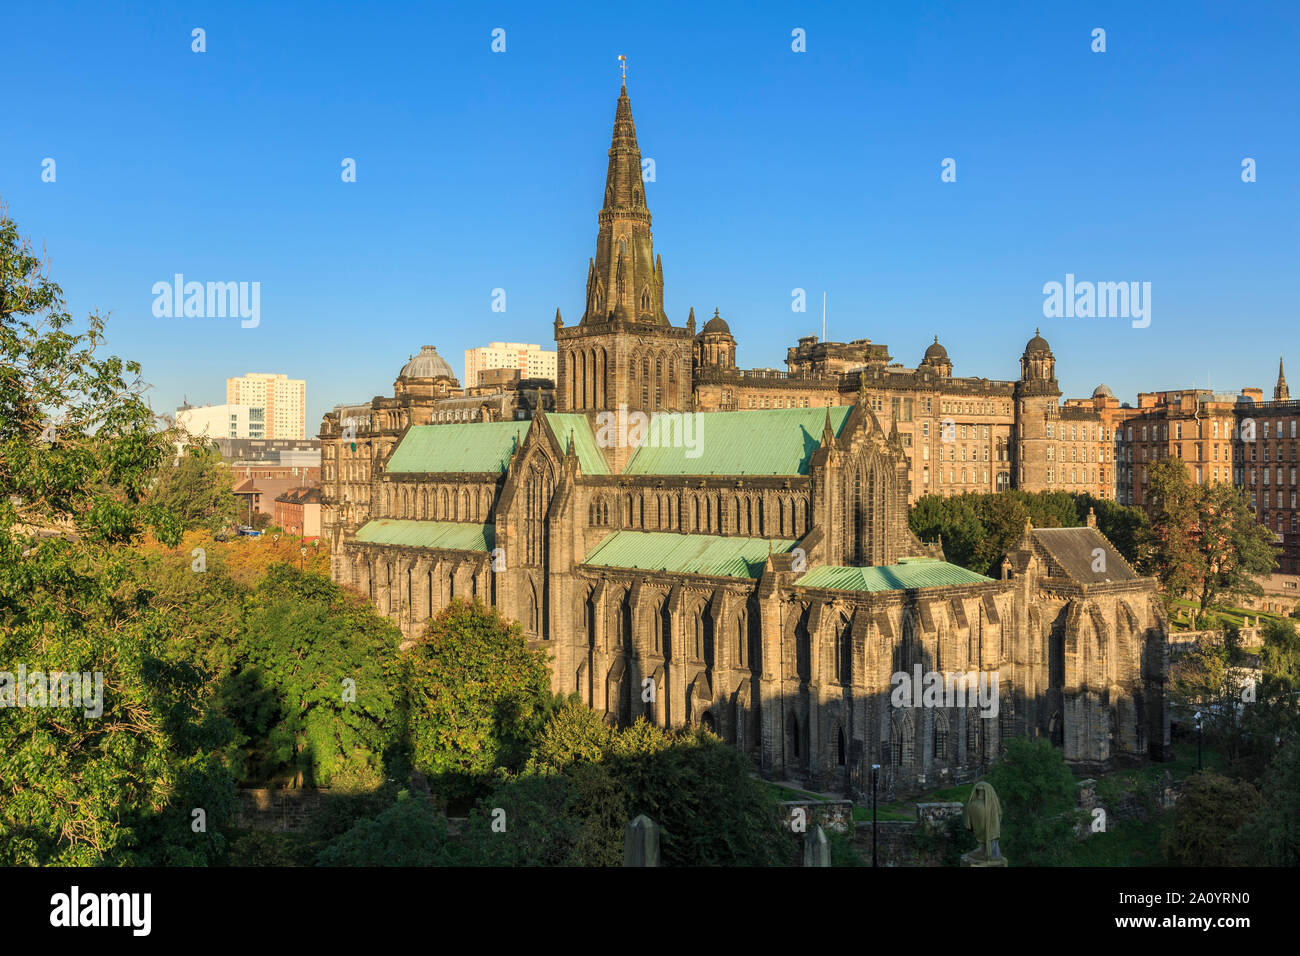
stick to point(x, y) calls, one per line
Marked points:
point(983, 814)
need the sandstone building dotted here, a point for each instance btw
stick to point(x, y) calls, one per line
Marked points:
point(751, 569)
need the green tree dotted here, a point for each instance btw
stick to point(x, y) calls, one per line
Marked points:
point(1234, 548)
point(196, 490)
point(478, 697)
point(1272, 838)
point(1169, 543)
point(1037, 793)
point(703, 794)
point(977, 530)
point(316, 671)
point(78, 448)
point(1207, 820)
point(1203, 540)
point(410, 832)
point(574, 734)
point(1280, 655)
point(527, 821)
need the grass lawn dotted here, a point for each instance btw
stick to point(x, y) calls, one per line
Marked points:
point(1220, 616)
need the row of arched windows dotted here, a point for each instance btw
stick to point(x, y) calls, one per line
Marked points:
point(749, 514)
point(588, 372)
point(654, 376)
point(696, 642)
point(425, 503)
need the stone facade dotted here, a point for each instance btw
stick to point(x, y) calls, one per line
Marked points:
point(750, 571)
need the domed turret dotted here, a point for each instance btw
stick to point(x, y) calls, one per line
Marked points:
point(936, 358)
point(1102, 391)
point(1037, 344)
point(714, 346)
point(428, 364)
point(1038, 364)
point(717, 324)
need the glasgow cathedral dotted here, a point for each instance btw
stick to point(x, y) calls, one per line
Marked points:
point(760, 580)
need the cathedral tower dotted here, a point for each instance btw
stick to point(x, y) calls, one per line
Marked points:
point(623, 352)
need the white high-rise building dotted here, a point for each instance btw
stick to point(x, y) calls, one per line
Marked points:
point(532, 361)
point(222, 421)
point(283, 398)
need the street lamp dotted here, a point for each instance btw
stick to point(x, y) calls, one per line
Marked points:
point(875, 769)
point(1198, 740)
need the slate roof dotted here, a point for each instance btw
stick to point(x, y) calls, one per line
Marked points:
point(778, 441)
point(686, 553)
point(1072, 549)
point(450, 535)
point(477, 447)
point(590, 459)
point(907, 575)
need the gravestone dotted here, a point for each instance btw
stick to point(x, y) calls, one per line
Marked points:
point(641, 842)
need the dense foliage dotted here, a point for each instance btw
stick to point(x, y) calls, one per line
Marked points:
point(1037, 793)
point(1203, 539)
point(978, 529)
point(78, 450)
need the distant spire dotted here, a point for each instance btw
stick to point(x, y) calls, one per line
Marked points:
point(1281, 393)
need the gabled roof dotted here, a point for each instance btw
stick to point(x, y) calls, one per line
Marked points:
point(451, 535)
point(686, 553)
point(305, 496)
point(590, 460)
point(1074, 551)
point(478, 447)
point(907, 575)
point(778, 441)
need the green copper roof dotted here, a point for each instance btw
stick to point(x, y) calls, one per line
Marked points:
point(778, 441)
point(590, 460)
point(686, 553)
point(452, 535)
point(912, 573)
point(466, 446)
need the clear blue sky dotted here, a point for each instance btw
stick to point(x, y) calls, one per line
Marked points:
point(775, 170)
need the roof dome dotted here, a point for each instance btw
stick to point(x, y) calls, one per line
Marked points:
point(936, 353)
point(717, 324)
point(1037, 344)
point(1102, 391)
point(428, 364)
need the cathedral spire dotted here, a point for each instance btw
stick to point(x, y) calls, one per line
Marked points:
point(1281, 393)
point(625, 281)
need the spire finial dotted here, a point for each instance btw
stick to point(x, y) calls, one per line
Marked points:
point(622, 65)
